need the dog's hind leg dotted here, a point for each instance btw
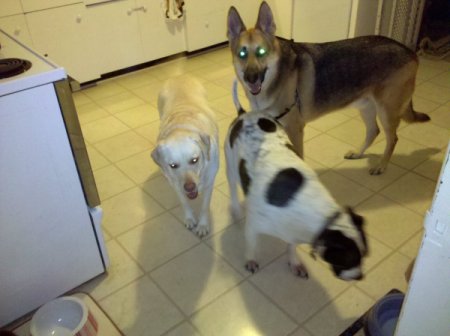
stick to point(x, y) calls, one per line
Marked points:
point(394, 102)
point(295, 264)
point(368, 113)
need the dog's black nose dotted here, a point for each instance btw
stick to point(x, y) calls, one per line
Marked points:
point(251, 77)
point(189, 186)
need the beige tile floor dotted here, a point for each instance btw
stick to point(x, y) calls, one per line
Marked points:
point(163, 280)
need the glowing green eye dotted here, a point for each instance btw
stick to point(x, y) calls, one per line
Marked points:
point(260, 52)
point(243, 52)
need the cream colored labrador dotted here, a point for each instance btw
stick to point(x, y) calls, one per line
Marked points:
point(187, 147)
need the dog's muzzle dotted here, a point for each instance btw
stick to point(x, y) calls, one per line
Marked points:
point(191, 190)
point(254, 79)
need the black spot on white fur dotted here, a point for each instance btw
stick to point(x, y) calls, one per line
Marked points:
point(284, 187)
point(245, 179)
point(267, 125)
point(234, 133)
point(340, 251)
point(358, 221)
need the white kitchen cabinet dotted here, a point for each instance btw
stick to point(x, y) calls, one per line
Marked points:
point(35, 5)
point(64, 35)
point(12, 20)
point(160, 37)
point(88, 41)
point(205, 23)
point(10, 7)
point(114, 29)
point(321, 21)
point(282, 13)
point(248, 11)
point(16, 26)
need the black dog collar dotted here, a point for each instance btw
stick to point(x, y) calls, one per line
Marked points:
point(288, 109)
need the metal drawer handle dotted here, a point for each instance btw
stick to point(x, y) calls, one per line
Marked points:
point(136, 9)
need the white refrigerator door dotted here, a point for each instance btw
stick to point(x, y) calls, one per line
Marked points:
point(47, 242)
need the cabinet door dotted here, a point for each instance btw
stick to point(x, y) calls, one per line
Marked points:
point(282, 13)
point(114, 28)
point(64, 35)
point(16, 26)
point(321, 21)
point(160, 37)
point(10, 7)
point(205, 23)
point(35, 5)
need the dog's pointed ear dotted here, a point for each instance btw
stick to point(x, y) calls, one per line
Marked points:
point(235, 24)
point(265, 20)
point(206, 141)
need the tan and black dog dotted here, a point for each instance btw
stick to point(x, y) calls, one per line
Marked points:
point(303, 81)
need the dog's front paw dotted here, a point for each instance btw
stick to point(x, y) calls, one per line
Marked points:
point(299, 270)
point(190, 223)
point(201, 230)
point(252, 266)
point(352, 155)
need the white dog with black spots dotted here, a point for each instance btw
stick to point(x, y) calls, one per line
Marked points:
point(285, 199)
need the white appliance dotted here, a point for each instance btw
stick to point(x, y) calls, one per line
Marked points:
point(50, 237)
point(426, 310)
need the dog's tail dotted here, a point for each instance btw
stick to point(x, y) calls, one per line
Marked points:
point(240, 110)
point(412, 116)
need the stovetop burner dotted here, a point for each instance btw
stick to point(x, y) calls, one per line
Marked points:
point(10, 67)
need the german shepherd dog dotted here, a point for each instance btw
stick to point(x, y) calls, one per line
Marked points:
point(303, 81)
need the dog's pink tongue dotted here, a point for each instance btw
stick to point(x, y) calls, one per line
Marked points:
point(255, 88)
point(192, 195)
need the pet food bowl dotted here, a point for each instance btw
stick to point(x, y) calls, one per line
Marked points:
point(64, 316)
point(382, 319)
